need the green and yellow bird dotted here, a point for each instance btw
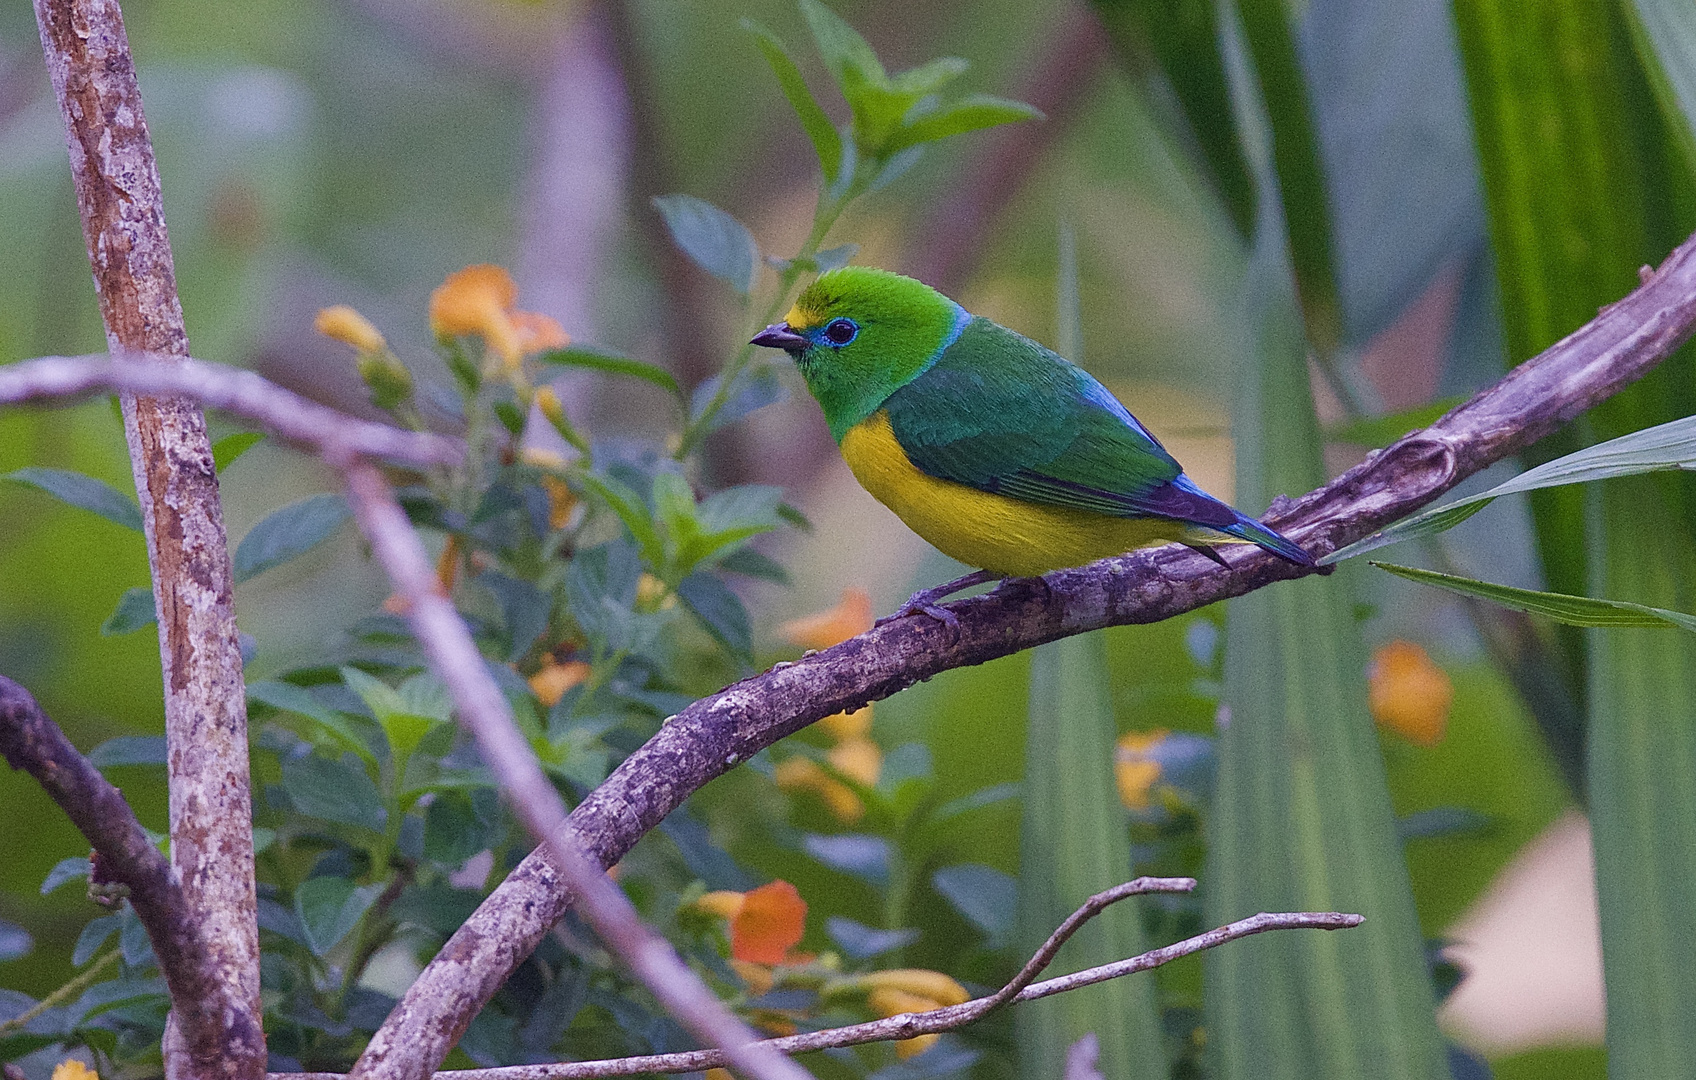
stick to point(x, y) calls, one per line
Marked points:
point(999, 452)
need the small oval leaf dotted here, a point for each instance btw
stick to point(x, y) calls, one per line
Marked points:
point(83, 492)
point(717, 242)
point(288, 533)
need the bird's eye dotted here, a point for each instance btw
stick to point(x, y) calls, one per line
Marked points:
point(841, 331)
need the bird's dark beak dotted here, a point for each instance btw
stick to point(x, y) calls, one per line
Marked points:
point(779, 336)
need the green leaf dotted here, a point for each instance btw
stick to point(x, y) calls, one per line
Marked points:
point(1384, 430)
point(756, 386)
point(83, 492)
point(827, 143)
point(971, 113)
point(851, 61)
point(632, 511)
point(93, 936)
point(1183, 36)
point(14, 941)
point(129, 750)
point(72, 869)
point(717, 242)
point(338, 791)
point(1669, 31)
point(135, 610)
point(929, 77)
point(329, 908)
point(720, 611)
point(402, 723)
point(1571, 610)
point(1301, 183)
point(226, 450)
point(291, 698)
point(1641, 764)
point(1071, 846)
point(1301, 818)
point(288, 533)
point(614, 364)
point(1666, 447)
point(987, 898)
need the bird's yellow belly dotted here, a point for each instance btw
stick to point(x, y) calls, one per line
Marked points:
point(996, 533)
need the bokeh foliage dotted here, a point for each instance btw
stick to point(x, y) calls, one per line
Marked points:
point(1261, 186)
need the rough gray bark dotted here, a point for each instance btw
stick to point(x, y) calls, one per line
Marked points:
point(118, 194)
point(718, 732)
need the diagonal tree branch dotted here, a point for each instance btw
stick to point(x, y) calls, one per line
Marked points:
point(935, 1021)
point(333, 435)
point(213, 1021)
point(123, 219)
point(482, 709)
point(713, 735)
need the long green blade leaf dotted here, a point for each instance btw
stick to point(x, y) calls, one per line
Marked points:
point(613, 364)
point(1301, 818)
point(1570, 610)
point(1073, 844)
point(1663, 448)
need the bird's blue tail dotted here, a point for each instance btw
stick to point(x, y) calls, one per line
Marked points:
point(1282, 546)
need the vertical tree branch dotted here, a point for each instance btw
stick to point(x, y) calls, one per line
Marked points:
point(118, 194)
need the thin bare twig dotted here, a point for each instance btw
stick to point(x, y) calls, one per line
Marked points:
point(211, 808)
point(482, 709)
point(935, 1021)
point(292, 418)
point(209, 1009)
point(713, 735)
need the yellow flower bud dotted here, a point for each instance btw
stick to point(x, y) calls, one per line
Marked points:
point(849, 725)
point(1134, 769)
point(918, 1044)
point(858, 759)
point(805, 774)
point(72, 1069)
point(723, 903)
point(344, 324)
point(917, 982)
point(759, 977)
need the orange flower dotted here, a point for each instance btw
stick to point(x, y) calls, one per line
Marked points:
point(346, 325)
point(479, 300)
point(1134, 770)
point(537, 332)
point(72, 1069)
point(852, 616)
point(769, 924)
point(804, 774)
point(1408, 693)
point(551, 683)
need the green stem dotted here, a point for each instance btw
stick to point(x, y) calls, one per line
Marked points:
point(823, 219)
point(64, 993)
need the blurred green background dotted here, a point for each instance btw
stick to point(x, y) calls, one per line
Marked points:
point(320, 152)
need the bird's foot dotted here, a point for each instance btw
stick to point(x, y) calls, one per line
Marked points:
point(925, 600)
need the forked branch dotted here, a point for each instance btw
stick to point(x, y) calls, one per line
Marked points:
point(1023, 987)
point(213, 1023)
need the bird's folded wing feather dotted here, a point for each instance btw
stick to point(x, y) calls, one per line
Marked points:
point(1000, 413)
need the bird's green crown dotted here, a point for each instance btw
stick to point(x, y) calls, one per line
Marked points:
point(868, 333)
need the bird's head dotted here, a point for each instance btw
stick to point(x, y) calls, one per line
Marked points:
point(859, 334)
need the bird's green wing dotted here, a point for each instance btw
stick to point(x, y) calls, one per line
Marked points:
point(1001, 413)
